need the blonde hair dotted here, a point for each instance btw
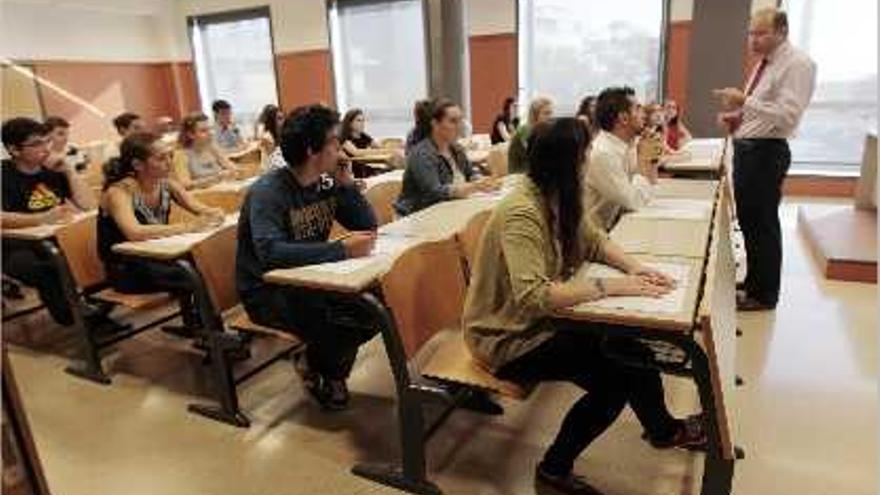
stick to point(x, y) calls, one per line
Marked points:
point(536, 106)
point(773, 16)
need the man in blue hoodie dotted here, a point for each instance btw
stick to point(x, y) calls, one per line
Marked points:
point(285, 222)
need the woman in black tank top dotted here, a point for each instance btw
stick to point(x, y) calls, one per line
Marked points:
point(135, 206)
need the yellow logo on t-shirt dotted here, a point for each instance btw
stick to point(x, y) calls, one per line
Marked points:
point(42, 198)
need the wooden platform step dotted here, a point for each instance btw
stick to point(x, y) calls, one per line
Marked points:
point(844, 240)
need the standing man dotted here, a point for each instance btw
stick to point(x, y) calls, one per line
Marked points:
point(761, 120)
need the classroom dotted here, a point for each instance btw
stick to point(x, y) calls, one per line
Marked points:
point(462, 247)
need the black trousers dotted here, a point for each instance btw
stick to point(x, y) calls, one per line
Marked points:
point(33, 268)
point(145, 277)
point(332, 327)
point(576, 356)
point(759, 167)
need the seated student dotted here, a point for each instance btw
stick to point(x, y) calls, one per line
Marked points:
point(536, 239)
point(676, 134)
point(540, 110)
point(266, 131)
point(58, 131)
point(421, 124)
point(37, 191)
point(355, 141)
point(437, 168)
point(505, 123)
point(226, 134)
point(616, 181)
point(586, 113)
point(285, 222)
point(125, 123)
point(135, 206)
point(197, 162)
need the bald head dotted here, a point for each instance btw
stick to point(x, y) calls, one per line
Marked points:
point(767, 30)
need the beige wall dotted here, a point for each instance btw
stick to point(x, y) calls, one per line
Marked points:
point(86, 30)
point(491, 17)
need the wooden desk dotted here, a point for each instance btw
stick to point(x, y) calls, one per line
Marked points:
point(662, 237)
point(41, 232)
point(678, 321)
point(170, 248)
point(686, 189)
point(392, 176)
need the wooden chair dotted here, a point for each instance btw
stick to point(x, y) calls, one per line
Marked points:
point(79, 243)
point(497, 161)
point(469, 240)
point(381, 197)
point(214, 259)
point(420, 315)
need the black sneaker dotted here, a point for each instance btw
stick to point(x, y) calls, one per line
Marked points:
point(569, 484)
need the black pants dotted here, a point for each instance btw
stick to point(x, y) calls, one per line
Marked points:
point(576, 356)
point(145, 277)
point(332, 327)
point(33, 267)
point(759, 167)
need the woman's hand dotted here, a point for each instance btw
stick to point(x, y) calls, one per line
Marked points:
point(634, 285)
point(654, 276)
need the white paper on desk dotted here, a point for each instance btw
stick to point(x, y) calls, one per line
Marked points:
point(192, 238)
point(391, 245)
point(345, 266)
point(668, 214)
point(672, 302)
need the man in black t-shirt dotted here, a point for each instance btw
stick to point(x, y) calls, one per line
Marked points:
point(36, 193)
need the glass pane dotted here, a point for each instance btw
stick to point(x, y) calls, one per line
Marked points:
point(569, 49)
point(235, 63)
point(379, 61)
point(843, 43)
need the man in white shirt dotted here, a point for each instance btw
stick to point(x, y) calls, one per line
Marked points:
point(615, 181)
point(761, 119)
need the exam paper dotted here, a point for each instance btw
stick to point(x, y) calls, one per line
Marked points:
point(672, 302)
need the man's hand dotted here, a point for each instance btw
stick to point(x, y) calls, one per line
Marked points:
point(731, 98)
point(359, 244)
point(62, 213)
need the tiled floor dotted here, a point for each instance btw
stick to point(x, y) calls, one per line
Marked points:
point(807, 416)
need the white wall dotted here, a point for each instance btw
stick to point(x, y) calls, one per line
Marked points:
point(86, 30)
point(491, 17)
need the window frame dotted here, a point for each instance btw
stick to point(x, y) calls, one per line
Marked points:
point(662, 69)
point(232, 15)
point(330, 5)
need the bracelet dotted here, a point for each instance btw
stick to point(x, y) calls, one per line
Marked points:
point(600, 286)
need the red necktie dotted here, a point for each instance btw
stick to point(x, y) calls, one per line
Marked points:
point(735, 120)
point(757, 77)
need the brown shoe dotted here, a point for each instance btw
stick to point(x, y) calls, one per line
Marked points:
point(748, 303)
point(569, 484)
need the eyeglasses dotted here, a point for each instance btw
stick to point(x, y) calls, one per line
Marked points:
point(34, 143)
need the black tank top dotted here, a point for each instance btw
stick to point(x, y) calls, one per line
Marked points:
point(109, 233)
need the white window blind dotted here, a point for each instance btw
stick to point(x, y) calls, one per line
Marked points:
point(379, 61)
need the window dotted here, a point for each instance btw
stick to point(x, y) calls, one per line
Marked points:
point(234, 61)
point(842, 40)
point(570, 49)
point(379, 61)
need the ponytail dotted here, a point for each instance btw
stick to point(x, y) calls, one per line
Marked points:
point(137, 146)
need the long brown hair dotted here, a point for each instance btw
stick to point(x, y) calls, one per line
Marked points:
point(188, 126)
point(556, 153)
point(138, 146)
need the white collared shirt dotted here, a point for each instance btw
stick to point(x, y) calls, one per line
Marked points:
point(776, 105)
point(612, 183)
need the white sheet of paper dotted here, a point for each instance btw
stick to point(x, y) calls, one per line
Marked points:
point(675, 209)
point(672, 302)
point(345, 266)
point(192, 238)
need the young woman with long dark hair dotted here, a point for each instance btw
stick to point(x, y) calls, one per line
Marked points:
point(505, 123)
point(534, 242)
